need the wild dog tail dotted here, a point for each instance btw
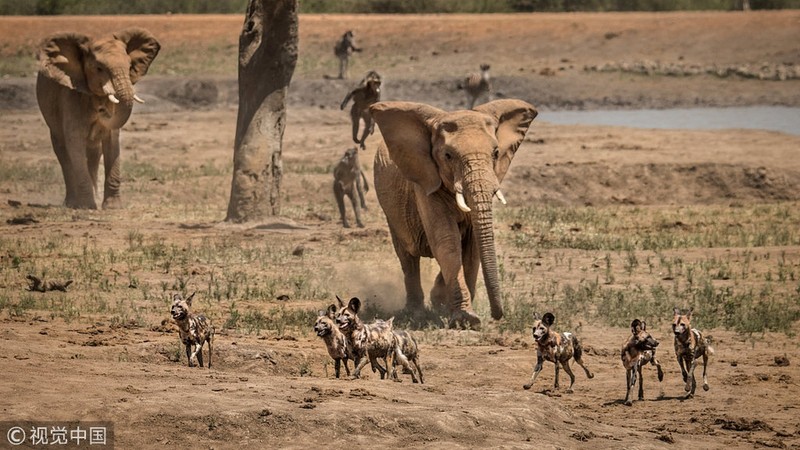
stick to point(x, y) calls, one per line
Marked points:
point(709, 349)
point(577, 349)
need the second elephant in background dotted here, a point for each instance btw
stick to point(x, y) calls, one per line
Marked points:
point(349, 180)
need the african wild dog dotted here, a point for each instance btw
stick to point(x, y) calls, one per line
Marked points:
point(195, 329)
point(556, 348)
point(638, 350)
point(690, 345)
point(343, 49)
point(406, 347)
point(368, 342)
point(334, 339)
point(350, 181)
point(366, 94)
point(476, 85)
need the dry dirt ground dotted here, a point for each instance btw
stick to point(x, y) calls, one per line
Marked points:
point(106, 350)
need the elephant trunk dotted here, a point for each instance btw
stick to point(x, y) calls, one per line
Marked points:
point(480, 195)
point(124, 93)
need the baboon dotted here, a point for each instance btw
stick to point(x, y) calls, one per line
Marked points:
point(367, 93)
point(350, 181)
point(476, 85)
point(343, 49)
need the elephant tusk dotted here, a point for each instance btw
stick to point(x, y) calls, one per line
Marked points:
point(462, 205)
point(500, 196)
point(137, 98)
point(113, 98)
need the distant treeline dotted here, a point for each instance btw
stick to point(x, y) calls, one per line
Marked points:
point(81, 7)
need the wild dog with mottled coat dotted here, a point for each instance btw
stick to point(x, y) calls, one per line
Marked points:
point(368, 342)
point(475, 85)
point(407, 347)
point(366, 94)
point(334, 339)
point(637, 351)
point(343, 49)
point(690, 345)
point(556, 348)
point(195, 329)
point(349, 181)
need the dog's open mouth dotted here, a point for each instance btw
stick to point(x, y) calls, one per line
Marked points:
point(321, 333)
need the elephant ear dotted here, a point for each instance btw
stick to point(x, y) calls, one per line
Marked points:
point(142, 48)
point(406, 128)
point(61, 59)
point(513, 118)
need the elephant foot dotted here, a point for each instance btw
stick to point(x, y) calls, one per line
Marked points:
point(465, 319)
point(80, 204)
point(360, 225)
point(114, 202)
point(346, 225)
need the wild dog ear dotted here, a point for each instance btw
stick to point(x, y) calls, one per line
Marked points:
point(689, 314)
point(536, 316)
point(355, 304)
point(189, 299)
point(321, 313)
point(644, 326)
point(548, 319)
point(636, 325)
point(331, 312)
point(390, 321)
point(676, 311)
point(176, 298)
point(341, 302)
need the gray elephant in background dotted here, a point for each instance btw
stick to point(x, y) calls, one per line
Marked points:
point(85, 92)
point(436, 174)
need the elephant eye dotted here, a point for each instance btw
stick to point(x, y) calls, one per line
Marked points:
point(495, 153)
point(448, 156)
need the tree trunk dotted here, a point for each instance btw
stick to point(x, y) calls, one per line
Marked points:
point(267, 58)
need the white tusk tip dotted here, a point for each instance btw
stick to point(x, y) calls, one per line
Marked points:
point(137, 98)
point(113, 98)
point(500, 197)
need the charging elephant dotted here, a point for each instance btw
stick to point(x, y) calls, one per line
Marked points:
point(85, 92)
point(436, 174)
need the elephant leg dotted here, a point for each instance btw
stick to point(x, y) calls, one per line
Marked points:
point(415, 298)
point(76, 131)
point(64, 161)
point(446, 246)
point(338, 192)
point(93, 153)
point(111, 161)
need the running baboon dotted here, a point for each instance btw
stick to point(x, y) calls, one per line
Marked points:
point(367, 93)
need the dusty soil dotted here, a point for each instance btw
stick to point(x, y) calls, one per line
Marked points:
point(107, 351)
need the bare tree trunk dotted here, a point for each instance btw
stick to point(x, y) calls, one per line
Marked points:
point(267, 58)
